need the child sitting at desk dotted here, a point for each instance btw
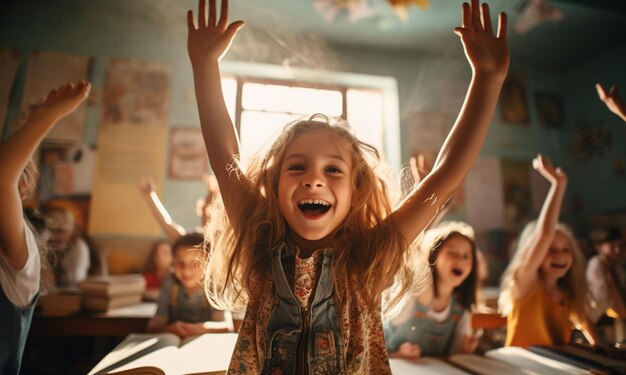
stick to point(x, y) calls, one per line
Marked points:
point(183, 308)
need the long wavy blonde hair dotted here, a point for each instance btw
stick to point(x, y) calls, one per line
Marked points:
point(573, 284)
point(368, 250)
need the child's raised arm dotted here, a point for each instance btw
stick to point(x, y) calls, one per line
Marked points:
point(545, 228)
point(15, 154)
point(488, 56)
point(612, 100)
point(207, 43)
point(159, 212)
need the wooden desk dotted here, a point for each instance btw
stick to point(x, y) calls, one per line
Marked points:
point(115, 323)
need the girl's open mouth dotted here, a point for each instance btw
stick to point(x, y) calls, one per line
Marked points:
point(313, 208)
point(457, 271)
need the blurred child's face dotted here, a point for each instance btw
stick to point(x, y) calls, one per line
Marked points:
point(163, 256)
point(610, 250)
point(559, 258)
point(315, 184)
point(60, 228)
point(455, 260)
point(188, 267)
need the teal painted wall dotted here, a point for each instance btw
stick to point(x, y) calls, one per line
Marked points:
point(120, 29)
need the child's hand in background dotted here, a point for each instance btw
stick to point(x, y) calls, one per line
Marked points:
point(63, 100)
point(612, 100)
point(544, 166)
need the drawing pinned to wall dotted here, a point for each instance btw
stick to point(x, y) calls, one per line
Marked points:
point(517, 194)
point(588, 141)
point(514, 100)
point(188, 158)
point(9, 63)
point(549, 109)
point(137, 93)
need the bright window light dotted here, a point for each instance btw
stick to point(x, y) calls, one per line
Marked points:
point(365, 115)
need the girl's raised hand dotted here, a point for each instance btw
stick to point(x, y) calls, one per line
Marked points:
point(612, 100)
point(146, 186)
point(63, 100)
point(212, 37)
point(485, 52)
point(544, 166)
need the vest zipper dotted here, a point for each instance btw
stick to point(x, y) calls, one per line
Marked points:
point(302, 359)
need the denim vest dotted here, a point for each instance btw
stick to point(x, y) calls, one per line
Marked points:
point(14, 326)
point(434, 338)
point(301, 340)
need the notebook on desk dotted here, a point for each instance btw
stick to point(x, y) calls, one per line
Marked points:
point(165, 353)
point(599, 360)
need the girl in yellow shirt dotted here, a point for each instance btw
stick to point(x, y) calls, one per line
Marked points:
point(543, 290)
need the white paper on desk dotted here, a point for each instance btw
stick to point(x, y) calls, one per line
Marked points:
point(48, 70)
point(424, 366)
point(9, 63)
point(532, 362)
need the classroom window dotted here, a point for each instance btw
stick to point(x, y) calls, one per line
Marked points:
point(260, 108)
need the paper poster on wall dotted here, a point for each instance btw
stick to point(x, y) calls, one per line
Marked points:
point(9, 63)
point(550, 113)
point(126, 153)
point(514, 100)
point(48, 70)
point(517, 193)
point(131, 145)
point(187, 157)
point(428, 130)
point(483, 193)
point(136, 93)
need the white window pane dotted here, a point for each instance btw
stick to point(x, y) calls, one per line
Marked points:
point(229, 87)
point(365, 115)
point(259, 130)
point(309, 101)
point(256, 96)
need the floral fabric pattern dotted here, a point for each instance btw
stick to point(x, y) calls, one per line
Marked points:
point(362, 328)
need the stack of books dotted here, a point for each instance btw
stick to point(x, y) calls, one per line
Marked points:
point(103, 293)
point(62, 302)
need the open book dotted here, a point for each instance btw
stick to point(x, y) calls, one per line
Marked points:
point(166, 353)
point(513, 361)
point(423, 366)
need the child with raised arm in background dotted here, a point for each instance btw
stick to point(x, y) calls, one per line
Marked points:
point(183, 308)
point(19, 257)
point(612, 100)
point(311, 238)
point(172, 229)
point(437, 321)
point(543, 292)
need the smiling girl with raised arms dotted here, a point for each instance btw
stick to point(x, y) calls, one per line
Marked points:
point(311, 239)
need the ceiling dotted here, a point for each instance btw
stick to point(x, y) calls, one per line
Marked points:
point(589, 27)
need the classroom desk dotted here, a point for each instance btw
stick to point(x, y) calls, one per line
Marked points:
point(115, 323)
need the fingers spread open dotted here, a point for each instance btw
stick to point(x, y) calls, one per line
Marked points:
point(190, 24)
point(223, 15)
point(466, 20)
point(476, 16)
point(212, 13)
point(502, 25)
point(202, 14)
point(486, 19)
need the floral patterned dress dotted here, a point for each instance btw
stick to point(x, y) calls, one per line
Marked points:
point(364, 343)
